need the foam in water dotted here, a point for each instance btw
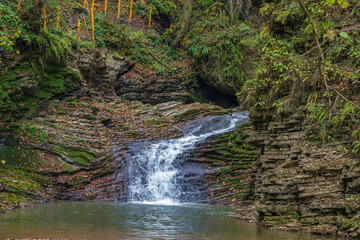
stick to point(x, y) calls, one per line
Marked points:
point(154, 175)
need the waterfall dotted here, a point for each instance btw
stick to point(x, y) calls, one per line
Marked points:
point(160, 172)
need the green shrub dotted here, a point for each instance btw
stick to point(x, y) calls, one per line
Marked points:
point(232, 46)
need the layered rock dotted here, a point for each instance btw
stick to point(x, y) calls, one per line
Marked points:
point(230, 170)
point(300, 184)
point(77, 146)
point(134, 86)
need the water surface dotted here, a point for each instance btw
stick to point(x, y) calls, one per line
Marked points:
point(99, 220)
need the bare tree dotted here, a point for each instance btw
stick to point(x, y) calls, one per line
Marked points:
point(238, 8)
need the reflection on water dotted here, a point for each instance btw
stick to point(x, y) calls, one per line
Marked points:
point(133, 221)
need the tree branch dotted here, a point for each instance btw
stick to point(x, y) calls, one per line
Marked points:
point(320, 51)
point(345, 99)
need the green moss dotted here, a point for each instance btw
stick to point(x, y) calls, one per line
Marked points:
point(52, 81)
point(91, 196)
point(15, 126)
point(46, 82)
point(68, 167)
point(11, 200)
point(234, 159)
point(78, 155)
point(348, 223)
point(278, 220)
point(78, 180)
point(20, 185)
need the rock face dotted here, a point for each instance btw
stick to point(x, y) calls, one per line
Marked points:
point(101, 69)
point(230, 170)
point(135, 87)
point(271, 168)
point(23, 86)
point(299, 184)
point(76, 147)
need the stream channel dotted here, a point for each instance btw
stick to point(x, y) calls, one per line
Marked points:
point(166, 199)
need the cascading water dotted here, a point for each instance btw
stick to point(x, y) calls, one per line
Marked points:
point(160, 172)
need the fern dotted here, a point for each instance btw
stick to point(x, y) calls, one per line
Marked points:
point(356, 147)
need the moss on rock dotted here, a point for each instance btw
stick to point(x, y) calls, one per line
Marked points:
point(79, 156)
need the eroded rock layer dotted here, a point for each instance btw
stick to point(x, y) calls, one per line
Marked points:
point(74, 148)
point(229, 162)
point(301, 184)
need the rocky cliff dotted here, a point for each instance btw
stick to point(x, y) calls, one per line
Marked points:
point(301, 184)
point(280, 178)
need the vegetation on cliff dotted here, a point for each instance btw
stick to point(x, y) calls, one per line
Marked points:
point(285, 55)
point(30, 54)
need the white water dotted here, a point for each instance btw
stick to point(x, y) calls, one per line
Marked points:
point(153, 168)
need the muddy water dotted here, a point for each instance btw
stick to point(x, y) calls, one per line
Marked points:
point(94, 220)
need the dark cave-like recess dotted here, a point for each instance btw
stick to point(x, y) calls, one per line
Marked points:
point(211, 95)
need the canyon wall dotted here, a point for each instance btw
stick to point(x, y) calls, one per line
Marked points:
point(293, 183)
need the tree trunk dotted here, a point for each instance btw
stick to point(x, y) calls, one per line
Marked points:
point(184, 22)
point(231, 8)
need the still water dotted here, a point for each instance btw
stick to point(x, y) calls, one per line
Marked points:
point(95, 220)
